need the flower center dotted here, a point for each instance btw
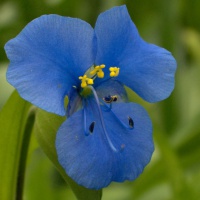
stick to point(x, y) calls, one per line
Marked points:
point(94, 72)
point(85, 81)
point(103, 103)
point(89, 127)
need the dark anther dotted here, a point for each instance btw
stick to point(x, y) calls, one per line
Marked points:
point(91, 128)
point(110, 99)
point(114, 98)
point(131, 122)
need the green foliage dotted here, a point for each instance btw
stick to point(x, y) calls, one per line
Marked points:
point(13, 118)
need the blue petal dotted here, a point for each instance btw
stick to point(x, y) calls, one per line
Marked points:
point(150, 73)
point(47, 58)
point(90, 160)
point(113, 31)
point(145, 68)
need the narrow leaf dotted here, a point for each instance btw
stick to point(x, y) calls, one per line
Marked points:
point(12, 123)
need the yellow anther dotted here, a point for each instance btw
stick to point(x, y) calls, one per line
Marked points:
point(100, 74)
point(83, 84)
point(112, 74)
point(114, 71)
point(98, 71)
point(85, 81)
point(90, 81)
point(83, 77)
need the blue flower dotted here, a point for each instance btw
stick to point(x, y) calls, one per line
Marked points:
point(105, 138)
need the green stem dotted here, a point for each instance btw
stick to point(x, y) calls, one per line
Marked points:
point(24, 151)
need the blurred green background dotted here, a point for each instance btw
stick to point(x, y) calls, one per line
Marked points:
point(174, 172)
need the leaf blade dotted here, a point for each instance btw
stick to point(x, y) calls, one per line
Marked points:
point(12, 121)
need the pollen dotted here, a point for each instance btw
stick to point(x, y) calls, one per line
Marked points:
point(114, 71)
point(98, 71)
point(85, 81)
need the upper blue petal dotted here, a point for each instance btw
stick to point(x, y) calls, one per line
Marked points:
point(145, 68)
point(90, 160)
point(47, 58)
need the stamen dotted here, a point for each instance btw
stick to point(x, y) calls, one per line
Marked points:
point(110, 99)
point(98, 71)
point(131, 122)
point(102, 121)
point(114, 98)
point(107, 108)
point(85, 81)
point(90, 81)
point(91, 128)
point(114, 71)
point(85, 119)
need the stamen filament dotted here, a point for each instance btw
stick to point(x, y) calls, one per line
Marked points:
point(122, 123)
point(98, 71)
point(85, 120)
point(102, 121)
point(107, 108)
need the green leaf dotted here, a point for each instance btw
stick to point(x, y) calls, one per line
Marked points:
point(42, 179)
point(13, 124)
point(46, 127)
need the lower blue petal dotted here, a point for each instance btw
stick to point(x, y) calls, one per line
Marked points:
point(90, 160)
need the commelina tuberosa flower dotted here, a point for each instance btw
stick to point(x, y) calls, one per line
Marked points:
point(105, 137)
